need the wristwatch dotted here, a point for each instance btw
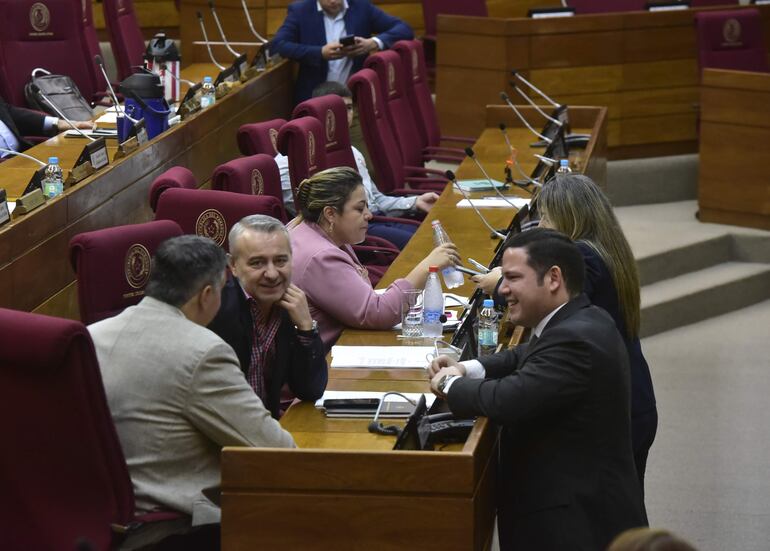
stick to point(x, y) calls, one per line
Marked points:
point(441, 385)
point(313, 329)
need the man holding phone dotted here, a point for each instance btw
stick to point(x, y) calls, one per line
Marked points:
point(331, 38)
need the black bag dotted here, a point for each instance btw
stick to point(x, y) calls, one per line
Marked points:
point(61, 91)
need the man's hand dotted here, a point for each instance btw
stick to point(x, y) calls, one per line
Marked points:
point(62, 125)
point(426, 201)
point(294, 302)
point(333, 50)
point(445, 362)
point(363, 46)
point(452, 371)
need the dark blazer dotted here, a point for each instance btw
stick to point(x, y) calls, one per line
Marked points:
point(567, 478)
point(302, 35)
point(302, 367)
point(22, 122)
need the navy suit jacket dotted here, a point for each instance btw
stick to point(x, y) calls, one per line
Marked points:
point(21, 122)
point(302, 36)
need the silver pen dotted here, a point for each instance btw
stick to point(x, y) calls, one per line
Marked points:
point(479, 265)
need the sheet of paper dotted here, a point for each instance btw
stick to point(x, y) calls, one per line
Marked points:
point(11, 206)
point(405, 357)
point(108, 117)
point(518, 202)
point(349, 395)
point(478, 185)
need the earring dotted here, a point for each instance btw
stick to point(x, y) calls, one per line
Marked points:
point(330, 229)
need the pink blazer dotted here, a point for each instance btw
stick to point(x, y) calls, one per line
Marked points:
point(337, 286)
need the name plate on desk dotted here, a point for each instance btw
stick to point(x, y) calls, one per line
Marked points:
point(80, 172)
point(36, 182)
point(667, 6)
point(228, 75)
point(5, 214)
point(129, 146)
point(544, 13)
point(240, 65)
point(29, 202)
point(140, 131)
point(94, 153)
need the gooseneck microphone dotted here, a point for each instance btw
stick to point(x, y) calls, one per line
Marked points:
point(547, 160)
point(536, 106)
point(118, 109)
point(507, 100)
point(537, 90)
point(61, 115)
point(208, 44)
point(221, 30)
point(258, 36)
point(392, 430)
point(451, 177)
point(515, 160)
point(19, 154)
point(469, 153)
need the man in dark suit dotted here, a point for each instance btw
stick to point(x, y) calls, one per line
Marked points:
point(311, 35)
point(567, 478)
point(15, 123)
point(266, 319)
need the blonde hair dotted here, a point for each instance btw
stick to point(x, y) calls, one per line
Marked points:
point(329, 188)
point(648, 539)
point(576, 206)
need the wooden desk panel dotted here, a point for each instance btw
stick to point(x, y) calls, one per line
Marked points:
point(35, 273)
point(734, 141)
point(641, 65)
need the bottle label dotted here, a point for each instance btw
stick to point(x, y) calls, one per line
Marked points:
point(487, 337)
point(431, 316)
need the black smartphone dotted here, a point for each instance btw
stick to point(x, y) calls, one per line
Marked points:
point(348, 40)
point(352, 403)
point(467, 271)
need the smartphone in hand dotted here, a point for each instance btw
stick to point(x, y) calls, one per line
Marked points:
point(349, 40)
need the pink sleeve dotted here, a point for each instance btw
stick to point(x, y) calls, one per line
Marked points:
point(332, 282)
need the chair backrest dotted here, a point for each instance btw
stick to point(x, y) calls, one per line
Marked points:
point(387, 65)
point(113, 266)
point(125, 35)
point(211, 213)
point(176, 176)
point(62, 471)
point(606, 6)
point(332, 113)
point(431, 9)
point(252, 175)
point(415, 79)
point(375, 127)
point(92, 42)
point(302, 141)
point(42, 34)
point(259, 137)
point(731, 39)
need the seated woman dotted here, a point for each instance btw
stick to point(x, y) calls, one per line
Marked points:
point(334, 215)
point(575, 206)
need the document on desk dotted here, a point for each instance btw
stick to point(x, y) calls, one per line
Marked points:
point(406, 357)
point(493, 203)
point(363, 394)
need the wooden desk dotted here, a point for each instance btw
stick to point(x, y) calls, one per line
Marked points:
point(641, 65)
point(35, 274)
point(346, 485)
point(733, 181)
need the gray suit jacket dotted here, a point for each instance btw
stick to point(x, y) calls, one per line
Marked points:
point(177, 396)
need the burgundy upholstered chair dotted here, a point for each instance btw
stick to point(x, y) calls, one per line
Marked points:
point(302, 140)
point(331, 112)
point(392, 175)
point(125, 35)
point(252, 175)
point(731, 39)
point(430, 11)
point(211, 213)
point(92, 41)
point(113, 266)
point(47, 35)
point(259, 137)
point(176, 176)
point(63, 473)
point(415, 79)
point(606, 6)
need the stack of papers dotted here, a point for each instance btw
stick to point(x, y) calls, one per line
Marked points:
point(404, 357)
point(478, 185)
point(494, 202)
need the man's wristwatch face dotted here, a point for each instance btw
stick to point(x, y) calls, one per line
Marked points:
point(442, 383)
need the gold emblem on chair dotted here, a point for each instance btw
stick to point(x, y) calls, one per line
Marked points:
point(39, 16)
point(211, 224)
point(137, 266)
point(415, 66)
point(257, 182)
point(731, 31)
point(331, 128)
point(374, 98)
point(273, 133)
point(310, 151)
point(391, 79)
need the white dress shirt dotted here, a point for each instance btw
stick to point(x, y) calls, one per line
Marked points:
point(9, 141)
point(339, 69)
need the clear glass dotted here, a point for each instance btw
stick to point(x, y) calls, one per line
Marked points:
point(411, 313)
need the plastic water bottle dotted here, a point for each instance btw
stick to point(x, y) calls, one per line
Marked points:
point(488, 328)
point(432, 305)
point(53, 179)
point(563, 167)
point(208, 93)
point(452, 278)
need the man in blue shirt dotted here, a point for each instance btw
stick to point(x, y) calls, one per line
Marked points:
point(311, 35)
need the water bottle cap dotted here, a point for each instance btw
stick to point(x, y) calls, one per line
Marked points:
point(433, 269)
point(207, 79)
point(489, 303)
point(564, 162)
point(436, 223)
point(53, 160)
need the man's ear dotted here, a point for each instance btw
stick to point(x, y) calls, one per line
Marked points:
point(555, 279)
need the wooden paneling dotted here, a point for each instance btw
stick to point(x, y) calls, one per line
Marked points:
point(152, 15)
point(642, 66)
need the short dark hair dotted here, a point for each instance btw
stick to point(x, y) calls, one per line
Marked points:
point(182, 266)
point(332, 87)
point(547, 248)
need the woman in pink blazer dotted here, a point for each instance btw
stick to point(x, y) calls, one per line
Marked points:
point(334, 215)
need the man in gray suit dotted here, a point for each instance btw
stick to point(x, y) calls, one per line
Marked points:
point(175, 389)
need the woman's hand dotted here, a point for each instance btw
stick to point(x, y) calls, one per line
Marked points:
point(442, 256)
point(488, 281)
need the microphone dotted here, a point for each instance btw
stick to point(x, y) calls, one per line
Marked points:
point(251, 25)
point(507, 100)
point(547, 160)
point(221, 30)
point(19, 154)
point(180, 79)
point(451, 177)
point(542, 94)
point(118, 109)
point(208, 44)
point(535, 106)
point(469, 153)
point(61, 115)
point(391, 430)
point(515, 162)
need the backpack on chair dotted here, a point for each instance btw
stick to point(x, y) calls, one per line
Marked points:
point(59, 90)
